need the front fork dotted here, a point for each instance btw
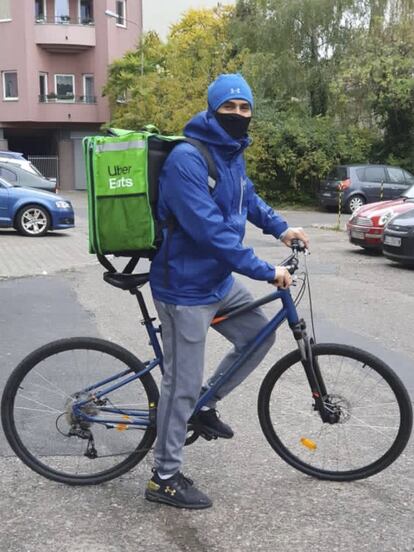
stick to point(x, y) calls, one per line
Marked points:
point(313, 372)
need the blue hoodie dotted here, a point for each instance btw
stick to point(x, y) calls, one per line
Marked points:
point(205, 246)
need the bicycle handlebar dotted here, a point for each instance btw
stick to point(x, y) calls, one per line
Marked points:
point(292, 262)
point(298, 246)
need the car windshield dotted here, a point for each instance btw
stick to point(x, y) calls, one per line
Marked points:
point(409, 193)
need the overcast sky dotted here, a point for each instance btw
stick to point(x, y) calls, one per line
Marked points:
point(160, 14)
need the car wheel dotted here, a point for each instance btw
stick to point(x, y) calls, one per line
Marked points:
point(33, 221)
point(354, 203)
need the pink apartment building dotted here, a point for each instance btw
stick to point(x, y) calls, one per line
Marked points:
point(54, 58)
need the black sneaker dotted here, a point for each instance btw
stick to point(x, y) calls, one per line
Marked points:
point(176, 491)
point(212, 425)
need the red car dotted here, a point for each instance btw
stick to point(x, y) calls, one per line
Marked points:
point(366, 225)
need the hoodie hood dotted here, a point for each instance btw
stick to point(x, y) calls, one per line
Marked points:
point(205, 127)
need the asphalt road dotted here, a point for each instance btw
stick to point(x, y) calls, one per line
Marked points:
point(260, 503)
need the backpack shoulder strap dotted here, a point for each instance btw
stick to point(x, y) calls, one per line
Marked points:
point(211, 166)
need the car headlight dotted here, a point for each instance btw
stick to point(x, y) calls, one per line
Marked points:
point(385, 218)
point(63, 204)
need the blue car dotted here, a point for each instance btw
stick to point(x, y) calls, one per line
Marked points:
point(33, 212)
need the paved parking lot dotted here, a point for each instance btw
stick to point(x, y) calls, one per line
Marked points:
point(57, 251)
point(260, 503)
point(67, 250)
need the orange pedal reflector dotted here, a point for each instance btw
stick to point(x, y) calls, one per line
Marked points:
point(308, 443)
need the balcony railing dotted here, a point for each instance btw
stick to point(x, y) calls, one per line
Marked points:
point(66, 98)
point(65, 20)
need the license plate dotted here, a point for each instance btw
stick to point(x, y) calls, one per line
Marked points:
point(390, 240)
point(357, 235)
point(327, 194)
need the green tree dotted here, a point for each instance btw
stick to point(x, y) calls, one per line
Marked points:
point(172, 85)
point(333, 83)
point(293, 47)
point(375, 88)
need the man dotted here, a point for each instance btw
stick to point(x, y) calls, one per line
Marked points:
point(191, 276)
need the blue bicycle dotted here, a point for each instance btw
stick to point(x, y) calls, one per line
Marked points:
point(82, 410)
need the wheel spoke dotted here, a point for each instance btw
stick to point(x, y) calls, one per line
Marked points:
point(56, 440)
point(363, 405)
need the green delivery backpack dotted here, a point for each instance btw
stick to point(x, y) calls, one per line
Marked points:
point(122, 172)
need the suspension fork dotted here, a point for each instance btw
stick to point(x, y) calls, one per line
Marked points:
point(312, 369)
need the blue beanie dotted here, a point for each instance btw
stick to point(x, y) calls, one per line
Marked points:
point(230, 86)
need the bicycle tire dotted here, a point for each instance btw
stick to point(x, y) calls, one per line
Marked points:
point(109, 352)
point(394, 387)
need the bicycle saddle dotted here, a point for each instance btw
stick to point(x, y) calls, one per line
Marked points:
point(126, 281)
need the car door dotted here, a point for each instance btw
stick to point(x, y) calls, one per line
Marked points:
point(4, 205)
point(373, 182)
point(395, 184)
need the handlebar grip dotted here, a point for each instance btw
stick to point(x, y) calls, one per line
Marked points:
point(291, 268)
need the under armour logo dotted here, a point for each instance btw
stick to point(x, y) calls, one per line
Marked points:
point(235, 91)
point(169, 490)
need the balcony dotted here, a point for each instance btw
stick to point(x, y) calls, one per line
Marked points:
point(68, 98)
point(67, 108)
point(65, 35)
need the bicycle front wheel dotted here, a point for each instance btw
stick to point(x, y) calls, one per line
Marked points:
point(39, 421)
point(374, 414)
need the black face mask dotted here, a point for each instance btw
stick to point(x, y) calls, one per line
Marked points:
point(235, 125)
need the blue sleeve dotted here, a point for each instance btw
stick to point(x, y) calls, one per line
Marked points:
point(186, 194)
point(262, 215)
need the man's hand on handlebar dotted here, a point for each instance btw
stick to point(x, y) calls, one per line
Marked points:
point(283, 277)
point(295, 234)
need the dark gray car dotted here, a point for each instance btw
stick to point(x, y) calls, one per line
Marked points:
point(362, 184)
point(18, 176)
point(399, 239)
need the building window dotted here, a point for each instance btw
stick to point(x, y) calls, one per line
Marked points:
point(43, 87)
point(40, 10)
point(65, 88)
point(121, 13)
point(5, 10)
point(10, 89)
point(62, 11)
point(85, 12)
point(88, 89)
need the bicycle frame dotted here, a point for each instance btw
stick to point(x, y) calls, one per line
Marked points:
point(144, 418)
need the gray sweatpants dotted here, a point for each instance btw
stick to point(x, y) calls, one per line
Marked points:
point(184, 332)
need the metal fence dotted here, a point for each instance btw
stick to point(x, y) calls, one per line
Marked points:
point(47, 165)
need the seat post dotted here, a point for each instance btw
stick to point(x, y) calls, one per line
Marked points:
point(142, 305)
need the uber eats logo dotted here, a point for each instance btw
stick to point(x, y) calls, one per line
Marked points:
point(118, 177)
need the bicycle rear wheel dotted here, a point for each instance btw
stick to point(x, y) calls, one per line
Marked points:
point(375, 414)
point(37, 411)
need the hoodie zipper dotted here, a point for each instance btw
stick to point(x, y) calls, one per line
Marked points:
point(241, 194)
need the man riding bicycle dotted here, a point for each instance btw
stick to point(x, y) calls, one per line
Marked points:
point(191, 276)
